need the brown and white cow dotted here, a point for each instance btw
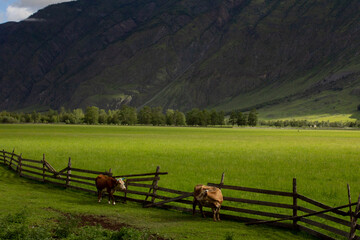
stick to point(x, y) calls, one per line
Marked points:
point(109, 184)
point(209, 197)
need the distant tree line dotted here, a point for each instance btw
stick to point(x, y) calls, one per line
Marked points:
point(126, 115)
point(243, 119)
point(311, 124)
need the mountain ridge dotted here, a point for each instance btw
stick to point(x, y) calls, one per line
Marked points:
point(227, 55)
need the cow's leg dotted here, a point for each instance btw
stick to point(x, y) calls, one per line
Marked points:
point(201, 210)
point(111, 197)
point(109, 193)
point(218, 214)
point(99, 195)
point(214, 213)
point(194, 206)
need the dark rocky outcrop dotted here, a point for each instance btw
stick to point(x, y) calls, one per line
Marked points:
point(177, 53)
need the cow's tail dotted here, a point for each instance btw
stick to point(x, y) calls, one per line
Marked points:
point(217, 205)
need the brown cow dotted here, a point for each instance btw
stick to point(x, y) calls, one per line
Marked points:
point(209, 197)
point(109, 184)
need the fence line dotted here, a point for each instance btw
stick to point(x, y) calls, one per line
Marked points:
point(232, 209)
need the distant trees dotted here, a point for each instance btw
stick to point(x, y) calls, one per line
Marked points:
point(252, 118)
point(157, 116)
point(154, 116)
point(145, 115)
point(174, 118)
point(243, 119)
point(233, 118)
point(78, 115)
point(217, 118)
point(309, 124)
point(199, 117)
point(92, 115)
point(126, 115)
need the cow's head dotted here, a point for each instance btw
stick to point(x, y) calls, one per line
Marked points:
point(120, 185)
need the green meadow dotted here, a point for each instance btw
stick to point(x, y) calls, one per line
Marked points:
point(323, 161)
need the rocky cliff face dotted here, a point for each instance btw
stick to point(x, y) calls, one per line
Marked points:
point(177, 53)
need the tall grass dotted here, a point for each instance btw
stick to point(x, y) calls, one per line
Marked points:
point(322, 161)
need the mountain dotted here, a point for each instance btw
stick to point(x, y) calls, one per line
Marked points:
point(285, 58)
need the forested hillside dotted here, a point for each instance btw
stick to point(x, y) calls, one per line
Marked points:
point(284, 58)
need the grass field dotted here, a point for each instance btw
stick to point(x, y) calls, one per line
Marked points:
point(323, 117)
point(322, 161)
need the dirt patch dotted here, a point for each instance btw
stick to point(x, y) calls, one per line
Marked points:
point(104, 221)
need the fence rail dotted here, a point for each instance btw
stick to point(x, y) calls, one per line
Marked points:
point(329, 223)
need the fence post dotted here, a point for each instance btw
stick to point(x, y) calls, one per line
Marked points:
point(353, 225)
point(222, 180)
point(44, 167)
point(12, 157)
point(4, 156)
point(68, 177)
point(295, 206)
point(349, 197)
point(110, 173)
point(154, 185)
point(126, 188)
point(19, 164)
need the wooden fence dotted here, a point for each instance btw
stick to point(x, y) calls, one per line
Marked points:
point(290, 209)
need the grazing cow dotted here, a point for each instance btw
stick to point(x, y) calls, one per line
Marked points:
point(209, 197)
point(109, 184)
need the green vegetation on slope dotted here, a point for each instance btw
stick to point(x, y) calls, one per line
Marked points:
point(285, 58)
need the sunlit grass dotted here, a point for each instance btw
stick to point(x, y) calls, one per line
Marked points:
point(322, 117)
point(323, 161)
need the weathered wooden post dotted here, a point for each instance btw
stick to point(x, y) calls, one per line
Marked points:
point(19, 164)
point(4, 156)
point(126, 189)
point(349, 197)
point(353, 225)
point(12, 157)
point(110, 172)
point(68, 174)
point(295, 205)
point(155, 184)
point(44, 167)
point(222, 180)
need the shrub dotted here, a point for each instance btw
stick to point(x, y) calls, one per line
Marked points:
point(9, 119)
point(229, 236)
point(65, 226)
point(90, 232)
point(129, 234)
point(15, 226)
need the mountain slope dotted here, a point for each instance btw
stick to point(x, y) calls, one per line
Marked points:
point(233, 54)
